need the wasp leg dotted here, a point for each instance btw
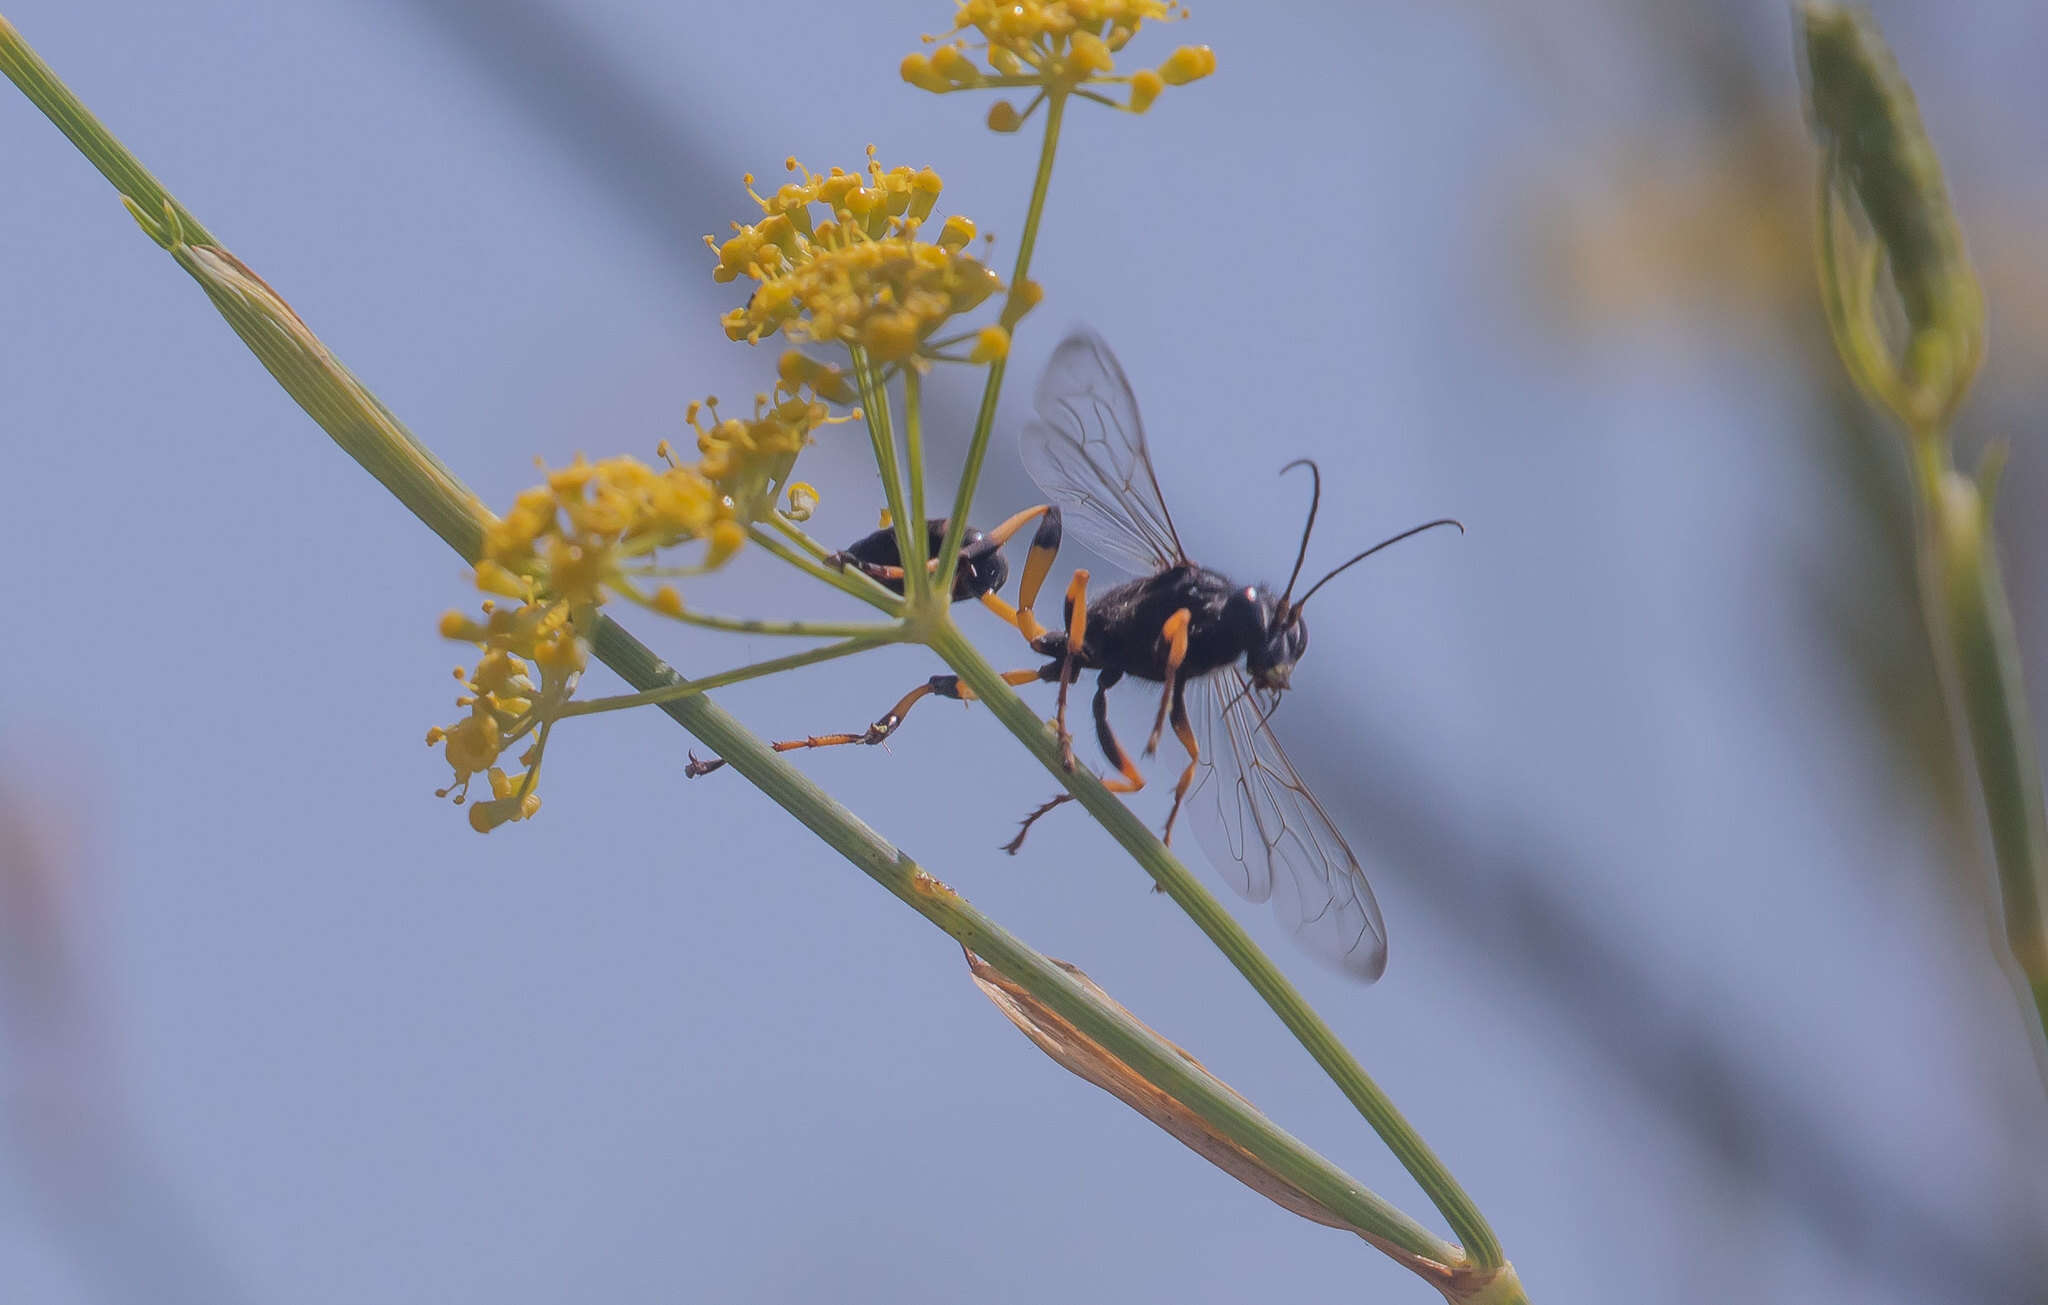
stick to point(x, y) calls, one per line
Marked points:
point(1045, 546)
point(1186, 733)
point(1175, 632)
point(1129, 779)
point(890, 576)
point(1001, 534)
point(944, 686)
point(1077, 630)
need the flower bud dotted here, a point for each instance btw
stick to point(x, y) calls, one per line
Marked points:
point(1187, 64)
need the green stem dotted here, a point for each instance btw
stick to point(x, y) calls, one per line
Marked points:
point(86, 133)
point(790, 629)
point(874, 407)
point(895, 871)
point(861, 586)
point(797, 535)
point(992, 388)
point(1977, 653)
point(1222, 928)
point(913, 459)
point(704, 684)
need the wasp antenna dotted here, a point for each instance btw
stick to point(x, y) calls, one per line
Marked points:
point(1315, 501)
point(1384, 543)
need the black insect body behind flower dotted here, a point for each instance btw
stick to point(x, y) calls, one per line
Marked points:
point(980, 574)
point(982, 569)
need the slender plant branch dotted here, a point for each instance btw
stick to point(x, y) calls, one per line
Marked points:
point(992, 388)
point(788, 629)
point(797, 535)
point(857, 584)
point(1222, 928)
point(913, 458)
point(1883, 200)
point(874, 408)
point(704, 684)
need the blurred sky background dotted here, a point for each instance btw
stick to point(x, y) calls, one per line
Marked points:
point(1689, 981)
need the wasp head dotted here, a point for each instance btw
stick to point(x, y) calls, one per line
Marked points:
point(1273, 635)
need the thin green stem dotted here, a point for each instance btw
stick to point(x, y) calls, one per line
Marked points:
point(896, 872)
point(1977, 656)
point(913, 460)
point(1174, 879)
point(1884, 205)
point(790, 629)
point(861, 586)
point(87, 134)
point(992, 388)
point(874, 407)
point(706, 683)
point(797, 535)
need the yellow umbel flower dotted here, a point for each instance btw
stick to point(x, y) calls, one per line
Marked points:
point(853, 272)
point(748, 459)
point(1058, 46)
point(531, 659)
point(572, 537)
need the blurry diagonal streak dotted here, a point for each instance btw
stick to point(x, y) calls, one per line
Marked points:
point(126, 1225)
point(1496, 887)
point(554, 72)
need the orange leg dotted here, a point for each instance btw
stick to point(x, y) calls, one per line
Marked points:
point(1001, 534)
point(1175, 632)
point(1077, 631)
point(1129, 779)
point(1186, 733)
point(945, 686)
point(1045, 546)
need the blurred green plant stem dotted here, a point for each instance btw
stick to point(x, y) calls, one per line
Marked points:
point(1907, 314)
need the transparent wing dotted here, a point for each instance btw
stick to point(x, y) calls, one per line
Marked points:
point(1086, 449)
point(1269, 836)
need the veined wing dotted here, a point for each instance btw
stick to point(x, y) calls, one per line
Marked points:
point(1086, 449)
point(1269, 836)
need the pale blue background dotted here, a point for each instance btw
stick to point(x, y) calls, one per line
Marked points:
point(1687, 983)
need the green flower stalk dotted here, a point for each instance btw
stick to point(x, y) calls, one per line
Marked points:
point(1907, 314)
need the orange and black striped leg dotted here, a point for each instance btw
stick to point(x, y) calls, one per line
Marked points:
point(944, 686)
point(890, 577)
point(1129, 779)
point(1185, 732)
point(1001, 534)
point(1045, 546)
point(1077, 631)
point(1175, 633)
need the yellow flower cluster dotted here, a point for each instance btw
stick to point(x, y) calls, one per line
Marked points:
point(748, 459)
point(853, 273)
point(1058, 46)
point(504, 704)
point(570, 537)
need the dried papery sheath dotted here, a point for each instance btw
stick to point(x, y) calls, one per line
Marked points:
point(1882, 175)
point(1081, 1054)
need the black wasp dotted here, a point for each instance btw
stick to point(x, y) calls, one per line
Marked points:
point(1186, 628)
